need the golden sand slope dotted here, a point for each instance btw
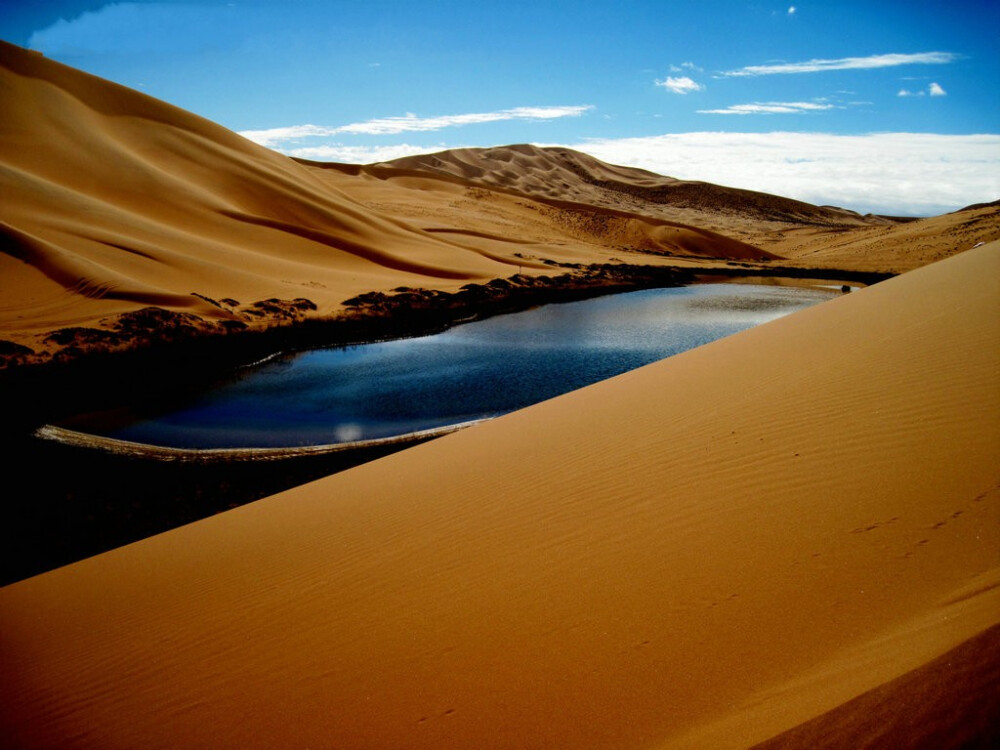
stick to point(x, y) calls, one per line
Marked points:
point(951, 702)
point(702, 553)
point(563, 174)
point(561, 229)
point(813, 236)
point(113, 201)
point(892, 247)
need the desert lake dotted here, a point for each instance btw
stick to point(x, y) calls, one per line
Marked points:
point(473, 371)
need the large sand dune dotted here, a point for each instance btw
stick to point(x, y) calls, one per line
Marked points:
point(813, 236)
point(563, 174)
point(706, 552)
point(788, 536)
point(114, 201)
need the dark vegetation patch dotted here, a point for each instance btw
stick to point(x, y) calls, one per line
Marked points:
point(13, 352)
point(9, 348)
point(209, 300)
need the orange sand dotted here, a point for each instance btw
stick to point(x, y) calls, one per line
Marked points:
point(114, 201)
point(774, 538)
point(706, 552)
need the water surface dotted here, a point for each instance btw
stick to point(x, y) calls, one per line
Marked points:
point(480, 369)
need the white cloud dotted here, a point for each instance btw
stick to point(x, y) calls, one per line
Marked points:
point(768, 108)
point(847, 63)
point(889, 173)
point(680, 85)
point(685, 66)
point(933, 89)
point(791, 10)
point(275, 136)
point(408, 123)
point(361, 154)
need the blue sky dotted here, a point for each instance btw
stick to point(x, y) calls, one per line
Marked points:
point(890, 107)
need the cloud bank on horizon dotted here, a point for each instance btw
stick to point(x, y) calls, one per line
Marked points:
point(874, 107)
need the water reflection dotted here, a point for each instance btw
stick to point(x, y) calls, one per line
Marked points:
point(472, 371)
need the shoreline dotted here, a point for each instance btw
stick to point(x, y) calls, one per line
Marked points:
point(814, 500)
point(77, 512)
point(159, 488)
point(38, 393)
point(127, 448)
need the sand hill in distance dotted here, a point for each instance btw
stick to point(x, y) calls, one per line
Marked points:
point(115, 202)
point(787, 538)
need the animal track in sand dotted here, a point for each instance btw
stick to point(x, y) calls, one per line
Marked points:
point(876, 525)
point(446, 712)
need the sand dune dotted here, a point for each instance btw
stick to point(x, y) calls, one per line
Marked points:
point(114, 201)
point(816, 236)
point(706, 552)
point(563, 174)
point(772, 538)
point(893, 247)
point(951, 702)
point(439, 202)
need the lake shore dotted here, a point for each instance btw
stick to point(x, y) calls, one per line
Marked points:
point(107, 493)
point(105, 373)
point(722, 546)
point(147, 498)
point(785, 537)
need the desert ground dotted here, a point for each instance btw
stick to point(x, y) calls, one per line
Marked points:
point(787, 538)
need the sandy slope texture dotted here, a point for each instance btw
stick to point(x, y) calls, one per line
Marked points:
point(705, 552)
point(814, 236)
point(565, 175)
point(114, 201)
point(892, 247)
point(552, 230)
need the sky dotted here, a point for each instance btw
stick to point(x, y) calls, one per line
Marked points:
point(878, 106)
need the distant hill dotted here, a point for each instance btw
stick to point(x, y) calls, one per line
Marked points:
point(114, 202)
point(562, 174)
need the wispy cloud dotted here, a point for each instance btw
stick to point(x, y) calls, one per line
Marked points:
point(680, 84)
point(846, 63)
point(768, 108)
point(361, 154)
point(889, 173)
point(791, 10)
point(934, 89)
point(409, 123)
point(685, 66)
point(275, 136)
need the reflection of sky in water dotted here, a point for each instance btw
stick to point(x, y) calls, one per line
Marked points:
point(475, 370)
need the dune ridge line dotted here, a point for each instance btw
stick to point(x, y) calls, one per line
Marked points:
point(721, 546)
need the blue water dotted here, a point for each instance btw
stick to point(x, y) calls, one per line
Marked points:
point(476, 370)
